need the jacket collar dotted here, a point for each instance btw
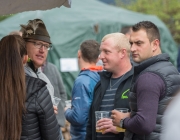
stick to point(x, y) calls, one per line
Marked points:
point(93, 68)
point(143, 65)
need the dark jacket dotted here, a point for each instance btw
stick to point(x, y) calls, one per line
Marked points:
point(121, 100)
point(161, 66)
point(39, 121)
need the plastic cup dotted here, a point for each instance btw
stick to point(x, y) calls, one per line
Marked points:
point(123, 110)
point(68, 103)
point(56, 101)
point(99, 115)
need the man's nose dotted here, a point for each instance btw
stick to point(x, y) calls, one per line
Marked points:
point(133, 48)
point(101, 56)
point(42, 49)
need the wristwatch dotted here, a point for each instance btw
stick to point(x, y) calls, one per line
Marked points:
point(122, 123)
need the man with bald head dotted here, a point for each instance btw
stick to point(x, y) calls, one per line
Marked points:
point(112, 90)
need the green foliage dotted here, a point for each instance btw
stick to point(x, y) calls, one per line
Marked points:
point(166, 10)
point(4, 17)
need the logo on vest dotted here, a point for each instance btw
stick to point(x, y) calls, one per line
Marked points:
point(124, 94)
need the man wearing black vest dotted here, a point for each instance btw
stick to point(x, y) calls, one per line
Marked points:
point(154, 83)
point(112, 90)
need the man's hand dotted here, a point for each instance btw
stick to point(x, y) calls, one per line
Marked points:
point(117, 116)
point(106, 125)
point(55, 109)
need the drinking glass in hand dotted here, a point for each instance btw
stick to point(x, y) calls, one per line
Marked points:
point(68, 103)
point(99, 115)
point(56, 101)
point(123, 110)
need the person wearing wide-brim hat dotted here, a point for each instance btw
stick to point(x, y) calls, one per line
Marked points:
point(38, 43)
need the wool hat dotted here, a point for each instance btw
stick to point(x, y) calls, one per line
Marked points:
point(35, 29)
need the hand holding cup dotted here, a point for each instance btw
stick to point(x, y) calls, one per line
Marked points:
point(100, 115)
point(68, 103)
point(117, 115)
point(55, 102)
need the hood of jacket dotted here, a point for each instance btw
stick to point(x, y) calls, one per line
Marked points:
point(93, 74)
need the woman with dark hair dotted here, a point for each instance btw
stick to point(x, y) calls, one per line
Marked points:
point(25, 104)
point(12, 89)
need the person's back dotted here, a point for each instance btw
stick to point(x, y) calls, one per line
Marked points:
point(82, 93)
point(82, 97)
point(12, 87)
point(39, 121)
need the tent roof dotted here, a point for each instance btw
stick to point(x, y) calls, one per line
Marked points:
point(83, 15)
point(29, 5)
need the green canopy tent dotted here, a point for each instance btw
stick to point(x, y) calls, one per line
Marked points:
point(87, 19)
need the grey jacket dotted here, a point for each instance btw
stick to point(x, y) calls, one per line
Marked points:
point(39, 74)
point(51, 71)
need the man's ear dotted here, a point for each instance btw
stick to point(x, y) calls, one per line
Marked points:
point(79, 53)
point(155, 45)
point(25, 59)
point(123, 51)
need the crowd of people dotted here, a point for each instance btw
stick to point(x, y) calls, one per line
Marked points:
point(135, 75)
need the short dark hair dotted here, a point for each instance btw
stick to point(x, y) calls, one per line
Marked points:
point(90, 51)
point(150, 28)
point(126, 29)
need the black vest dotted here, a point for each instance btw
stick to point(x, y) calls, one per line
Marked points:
point(161, 66)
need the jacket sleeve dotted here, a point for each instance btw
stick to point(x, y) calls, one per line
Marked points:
point(48, 124)
point(81, 100)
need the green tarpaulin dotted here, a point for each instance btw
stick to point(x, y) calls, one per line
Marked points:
point(86, 19)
